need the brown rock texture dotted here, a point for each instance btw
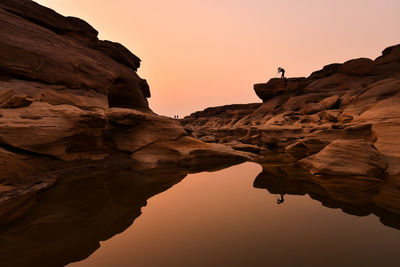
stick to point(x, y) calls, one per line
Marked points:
point(347, 158)
point(342, 121)
point(70, 103)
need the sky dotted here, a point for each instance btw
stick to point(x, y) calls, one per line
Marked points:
point(202, 53)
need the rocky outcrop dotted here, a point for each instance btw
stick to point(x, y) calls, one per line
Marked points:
point(342, 121)
point(70, 103)
point(276, 87)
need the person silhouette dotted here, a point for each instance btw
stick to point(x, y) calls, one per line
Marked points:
point(280, 201)
point(281, 70)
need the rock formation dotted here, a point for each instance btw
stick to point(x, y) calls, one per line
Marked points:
point(71, 103)
point(341, 121)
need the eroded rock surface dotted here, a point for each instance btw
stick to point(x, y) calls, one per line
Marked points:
point(347, 158)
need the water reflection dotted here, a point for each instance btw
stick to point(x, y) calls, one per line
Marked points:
point(356, 196)
point(280, 200)
point(70, 219)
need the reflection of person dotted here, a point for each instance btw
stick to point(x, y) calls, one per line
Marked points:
point(281, 71)
point(280, 201)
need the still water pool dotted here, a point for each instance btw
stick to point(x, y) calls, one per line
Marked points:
point(220, 219)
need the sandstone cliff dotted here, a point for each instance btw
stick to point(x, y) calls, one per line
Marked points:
point(341, 121)
point(71, 103)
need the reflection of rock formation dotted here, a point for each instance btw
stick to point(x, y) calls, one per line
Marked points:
point(68, 221)
point(353, 195)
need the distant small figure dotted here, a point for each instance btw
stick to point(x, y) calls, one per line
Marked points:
point(280, 201)
point(175, 116)
point(280, 70)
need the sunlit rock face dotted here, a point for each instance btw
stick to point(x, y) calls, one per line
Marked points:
point(341, 121)
point(71, 102)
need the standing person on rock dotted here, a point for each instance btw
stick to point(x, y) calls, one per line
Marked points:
point(280, 70)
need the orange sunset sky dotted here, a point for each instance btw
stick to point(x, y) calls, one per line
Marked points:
point(198, 54)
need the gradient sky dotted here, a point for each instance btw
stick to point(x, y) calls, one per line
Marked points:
point(198, 54)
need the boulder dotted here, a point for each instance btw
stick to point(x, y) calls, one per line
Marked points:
point(304, 148)
point(189, 153)
point(357, 67)
point(347, 158)
point(329, 115)
point(134, 130)
point(326, 71)
point(279, 86)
